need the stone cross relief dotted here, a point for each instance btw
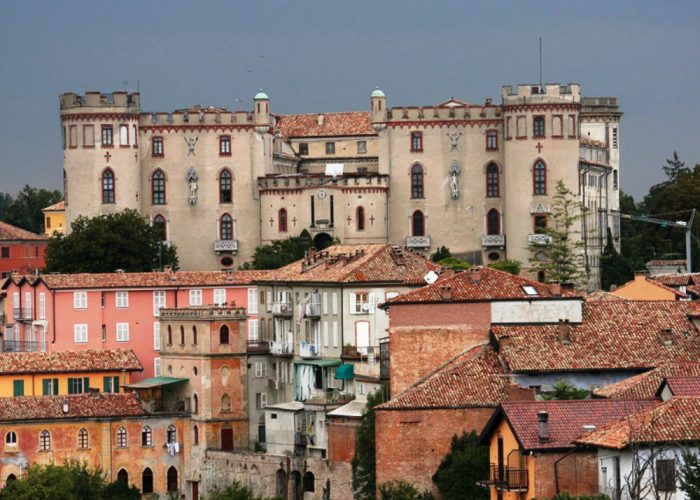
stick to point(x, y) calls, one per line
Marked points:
point(454, 140)
point(191, 143)
point(193, 187)
point(454, 186)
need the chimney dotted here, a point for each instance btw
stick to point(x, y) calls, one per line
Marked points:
point(543, 423)
point(446, 293)
point(321, 119)
point(666, 337)
point(564, 331)
point(475, 274)
point(555, 289)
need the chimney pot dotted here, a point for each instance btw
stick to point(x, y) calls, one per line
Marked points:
point(543, 423)
point(564, 330)
point(475, 274)
point(555, 289)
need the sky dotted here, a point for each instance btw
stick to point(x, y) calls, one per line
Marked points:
point(314, 56)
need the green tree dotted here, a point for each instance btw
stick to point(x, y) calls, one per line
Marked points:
point(559, 254)
point(280, 253)
point(614, 268)
point(674, 168)
point(5, 202)
point(690, 475)
point(462, 467)
point(26, 210)
point(401, 490)
point(105, 243)
point(511, 266)
point(564, 390)
point(364, 466)
point(235, 491)
point(454, 263)
point(441, 253)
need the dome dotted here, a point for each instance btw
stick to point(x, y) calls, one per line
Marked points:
point(378, 93)
point(261, 95)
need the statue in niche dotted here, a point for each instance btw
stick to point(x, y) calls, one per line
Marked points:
point(193, 186)
point(454, 140)
point(191, 143)
point(454, 186)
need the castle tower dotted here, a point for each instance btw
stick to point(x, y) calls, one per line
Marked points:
point(101, 156)
point(378, 105)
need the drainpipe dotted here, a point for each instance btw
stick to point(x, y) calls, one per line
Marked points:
point(53, 315)
point(556, 470)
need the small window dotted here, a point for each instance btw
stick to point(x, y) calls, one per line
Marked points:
point(107, 136)
point(80, 333)
point(170, 335)
point(666, 475)
point(416, 142)
point(196, 297)
point(224, 334)
point(330, 148)
point(157, 149)
point(146, 436)
point(491, 140)
point(361, 147)
point(282, 220)
point(540, 223)
point(538, 126)
point(226, 227)
point(225, 189)
point(45, 441)
point(5, 252)
point(194, 336)
point(195, 435)
point(108, 186)
point(172, 434)
point(121, 437)
point(417, 175)
point(11, 438)
point(122, 332)
point(303, 148)
point(160, 227)
point(539, 178)
point(225, 145)
point(83, 439)
point(530, 290)
point(360, 218)
point(123, 135)
point(182, 335)
point(122, 300)
point(493, 222)
point(260, 400)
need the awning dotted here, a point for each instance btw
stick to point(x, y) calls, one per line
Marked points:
point(150, 383)
point(318, 362)
point(345, 372)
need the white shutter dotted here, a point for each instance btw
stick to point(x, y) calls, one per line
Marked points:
point(156, 336)
point(353, 302)
point(253, 300)
point(324, 305)
point(253, 330)
point(335, 303)
point(372, 303)
point(263, 400)
point(42, 305)
point(335, 334)
point(269, 301)
point(325, 334)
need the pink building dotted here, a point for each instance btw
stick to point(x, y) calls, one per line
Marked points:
point(60, 312)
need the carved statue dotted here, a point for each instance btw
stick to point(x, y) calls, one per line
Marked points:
point(454, 140)
point(191, 143)
point(454, 186)
point(193, 186)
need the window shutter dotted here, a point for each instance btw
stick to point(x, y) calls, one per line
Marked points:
point(86, 384)
point(324, 306)
point(70, 386)
point(55, 387)
point(18, 387)
point(106, 385)
point(372, 303)
point(353, 303)
point(116, 384)
point(46, 387)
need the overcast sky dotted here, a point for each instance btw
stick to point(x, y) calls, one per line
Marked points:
point(312, 56)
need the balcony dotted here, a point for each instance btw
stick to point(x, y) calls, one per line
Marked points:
point(19, 346)
point(282, 309)
point(538, 239)
point(309, 350)
point(493, 240)
point(226, 246)
point(22, 313)
point(282, 348)
point(506, 479)
point(313, 310)
point(258, 346)
point(418, 241)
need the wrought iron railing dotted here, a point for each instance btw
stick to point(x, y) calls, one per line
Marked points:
point(506, 478)
point(19, 346)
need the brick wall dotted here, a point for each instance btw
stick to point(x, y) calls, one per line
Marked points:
point(342, 438)
point(577, 474)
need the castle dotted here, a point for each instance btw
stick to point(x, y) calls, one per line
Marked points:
point(477, 179)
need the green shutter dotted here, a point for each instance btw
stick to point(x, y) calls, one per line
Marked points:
point(55, 387)
point(18, 387)
point(116, 385)
point(71, 386)
point(46, 387)
point(86, 384)
point(106, 384)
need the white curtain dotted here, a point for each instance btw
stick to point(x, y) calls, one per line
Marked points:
point(305, 381)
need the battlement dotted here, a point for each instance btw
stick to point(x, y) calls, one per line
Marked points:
point(130, 103)
point(534, 93)
point(607, 106)
point(197, 116)
point(445, 112)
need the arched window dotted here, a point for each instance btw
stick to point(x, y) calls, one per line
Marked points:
point(225, 191)
point(83, 439)
point(146, 436)
point(121, 437)
point(539, 178)
point(417, 181)
point(108, 186)
point(418, 224)
point(195, 435)
point(10, 478)
point(195, 404)
point(223, 334)
point(172, 478)
point(226, 227)
point(309, 481)
point(11, 438)
point(493, 222)
point(282, 220)
point(45, 441)
point(159, 225)
point(360, 218)
point(492, 181)
point(225, 403)
point(172, 434)
point(182, 335)
point(158, 188)
point(147, 481)
point(123, 476)
point(194, 335)
point(170, 335)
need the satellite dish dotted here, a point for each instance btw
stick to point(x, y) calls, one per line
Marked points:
point(430, 278)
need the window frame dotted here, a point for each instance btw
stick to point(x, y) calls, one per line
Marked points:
point(122, 438)
point(330, 147)
point(492, 140)
point(195, 296)
point(493, 224)
point(121, 299)
point(226, 227)
point(361, 147)
point(44, 440)
point(282, 223)
point(225, 145)
point(416, 141)
point(158, 222)
point(107, 136)
point(493, 181)
point(360, 218)
point(417, 174)
point(539, 182)
point(158, 191)
point(303, 149)
point(80, 333)
point(108, 185)
point(225, 193)
point(122, 332)
point(146, 437)
point(157, 146)
point(414, 219)
point(83, 439)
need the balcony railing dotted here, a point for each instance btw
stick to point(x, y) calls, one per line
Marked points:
point(226, 246)
point(539, 239)
point(281, 348)
point(493, 240)
point(22, 313)
point(313, 310)
point(20, 346)
point(308, 350)
point(258, 346)
point(418, 241)
point(282, 309)
point(506, 479)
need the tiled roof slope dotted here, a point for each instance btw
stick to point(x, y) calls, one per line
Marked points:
point(684, 386)
point(376, 262)
point(473, 378)
point(492, 285)
point(24, 408)
point(645, 385)
point(56, 207)
point(565, 419)
point(12, 233)
point(673, 421)
point(601, 295)
point(614, 335)
point(333, 124)
point(93, 360)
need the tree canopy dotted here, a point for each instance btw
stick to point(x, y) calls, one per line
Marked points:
point(105, 243)
point(25, 211)
point(281, 252)
point(614, 268)
point(511, 266)
point(364, 466)
point(462, 467)
point(690, 475)
point(401, 490)
point(564, 390)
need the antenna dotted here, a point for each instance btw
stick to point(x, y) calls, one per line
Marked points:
point(540, 64)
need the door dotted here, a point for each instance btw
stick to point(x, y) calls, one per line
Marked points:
point(227, 438)
point(195, 490)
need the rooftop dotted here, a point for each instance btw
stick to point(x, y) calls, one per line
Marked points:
point(56, 207)
point(85, 406)
point(12, 233)
point(645, 385)
point(684, 386)
point(326, 124)
point(93, 360)
point(677, 279)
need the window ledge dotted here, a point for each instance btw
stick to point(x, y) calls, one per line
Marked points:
point(124, 146)
point(228, 155)
point(156, 155)
point(108, 146)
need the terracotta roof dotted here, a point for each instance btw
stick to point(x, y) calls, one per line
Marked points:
point(601, 295)
point(684, 386)
point(653, 283)
point(675, 420)
point(97, 405)
point(56, 207)
point(492, 285)
point(645, 385)
point(333, 124)
point(677, 279)
point(376, 262)
point(94, 360)
point(565, 419)
point(614, 335)
point(473, 378)
point(12, 233)
point(664, 262)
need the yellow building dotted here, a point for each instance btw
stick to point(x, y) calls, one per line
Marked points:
point(65, 372)
point(55, 219)
point(645, 288)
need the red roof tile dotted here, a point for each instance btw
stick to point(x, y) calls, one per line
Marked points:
point(56, 207)
point(98, 405)
point(645, 385)
point(614, 335)
point(12, 233)
point(331, 125)
point(93, 360)
point(600, 295)
point(684, 386)
point(675, 420)
point(664, 262)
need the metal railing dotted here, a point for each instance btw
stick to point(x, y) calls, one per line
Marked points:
point(282, 348)
point(19, 346)
point(539, 239)
point(506, 478)
point(258, 346)
point(225, 245)
point(22, 313)
point(282, 309)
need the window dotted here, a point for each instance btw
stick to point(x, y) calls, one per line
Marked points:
point(330, 148)
point(156, 336)
point(83, 439)
point(49, 387)
point(146, 436)
point(147, 481)
point(225, 145)
point(260, 400)
point(362, 336)
point(42, 305)
point(417, 181)
point(572, 126)
point(361, 147)
point(538, 126)
point(540, 223)
point(158, 301)
point(226, 227)
point(110, 384)
point(122, 299)
point(557, 128)
point(530, 290)
point(416, 142)
point(88, 136)
point(5, 252)
point(282, 220)
point(18, 388)
point(195, 401)
point(158, 188)
point(123, 476)
point(124, 135)
point(225, 403)
point(121, 437)
point(182, 335)
point(614, 137)
point(492, 181)
point(170, 335)
point(44, 441)
point(260, 369)
point(360, 218)
point(73, 130)
point(172, 434)
point(194, 335)
point(225, 193)
point(107, 140)
point(491, 140)
point(539, 178)
point(195, 435)
point(78, 385)
point(223, 334)
point(615, 181)
point(493, 222)
point(156, 367)
point(160, 227)
point(157, 150)
point(666, 475)
point(219, 296)
point(122, 332)
point(521, 127)
point(359, 303)
point(171, 479)
point(11, 438)
point(303, 148)
point(80, 300)
point(418, 224)
point(196, 297)
point(80, 333)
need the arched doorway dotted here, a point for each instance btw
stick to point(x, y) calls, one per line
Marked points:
point(123, 476)
point(295, 487)
point(226, 437)
point(147, 481)
point(309, 482)
point(281, 484)
point(172, 478)
point(322, 240)
point(10, 478)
